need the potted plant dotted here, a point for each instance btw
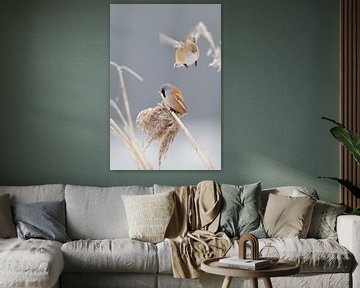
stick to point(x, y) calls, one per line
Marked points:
point(351, 141)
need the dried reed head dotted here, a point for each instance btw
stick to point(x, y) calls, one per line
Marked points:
point(158, 124)
point(214, 51)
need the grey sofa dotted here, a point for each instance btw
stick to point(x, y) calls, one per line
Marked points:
point(101, 254)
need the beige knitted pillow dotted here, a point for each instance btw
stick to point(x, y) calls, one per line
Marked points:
point(288, 217)
point(149, 215)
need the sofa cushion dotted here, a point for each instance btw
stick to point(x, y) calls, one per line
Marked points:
point(36, 193)
point(7, 226)
point(163, 188)
point(240, 210)
point(291, 191)
point(98, 213)
point(43, 220)
point(323, 222)
point(164, 257)
point(117, 255)
point(149, 215)
point(313, 255)
point(287, 216)
point(30, 263)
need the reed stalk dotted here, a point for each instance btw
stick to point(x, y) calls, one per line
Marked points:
point(126, 135)
point(205, 160)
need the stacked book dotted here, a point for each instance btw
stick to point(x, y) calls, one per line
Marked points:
point(248, 264)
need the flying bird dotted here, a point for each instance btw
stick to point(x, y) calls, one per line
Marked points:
point(187, 50)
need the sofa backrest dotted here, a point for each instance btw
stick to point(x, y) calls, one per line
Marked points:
point(36, 193)
point(163, 188)
point(293, 191)
point(98, 212)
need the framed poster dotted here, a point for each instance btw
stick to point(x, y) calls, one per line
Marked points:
point(165, 87)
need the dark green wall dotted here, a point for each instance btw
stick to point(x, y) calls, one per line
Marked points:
point(280, 75)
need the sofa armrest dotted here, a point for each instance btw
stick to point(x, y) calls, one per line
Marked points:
point(348, 230)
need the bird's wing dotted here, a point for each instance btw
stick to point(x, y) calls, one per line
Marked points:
point(180, 99)
point(181, 102)
point(169, 41)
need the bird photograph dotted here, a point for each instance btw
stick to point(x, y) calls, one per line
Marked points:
point(165, 87)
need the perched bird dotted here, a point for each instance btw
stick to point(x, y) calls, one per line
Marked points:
point(187, 51)
point(173, 98)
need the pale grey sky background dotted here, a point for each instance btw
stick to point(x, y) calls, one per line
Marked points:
point(134, 42)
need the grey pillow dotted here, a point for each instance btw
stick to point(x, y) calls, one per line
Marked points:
point(240, 213)
point(44, 220)
point(7, 227)
point(323, 222)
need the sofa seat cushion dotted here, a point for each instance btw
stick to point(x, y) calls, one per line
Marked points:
point(115, 255)
point(313, 255)
point(30, 263)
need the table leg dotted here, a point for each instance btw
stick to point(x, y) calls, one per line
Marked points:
point(254, 282)
point(227, 282)
point(267, 283)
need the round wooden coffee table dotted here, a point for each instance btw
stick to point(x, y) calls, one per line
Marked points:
point(281, 268)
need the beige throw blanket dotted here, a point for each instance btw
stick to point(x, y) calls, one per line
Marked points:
point(191, 231)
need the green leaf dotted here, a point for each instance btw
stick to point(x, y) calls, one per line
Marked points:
point(355, 211)
point(349, 139)
point(347, 184)
point(333, 121)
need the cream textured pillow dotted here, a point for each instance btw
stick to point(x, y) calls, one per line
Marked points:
point(288, 217)
point(149, 215)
